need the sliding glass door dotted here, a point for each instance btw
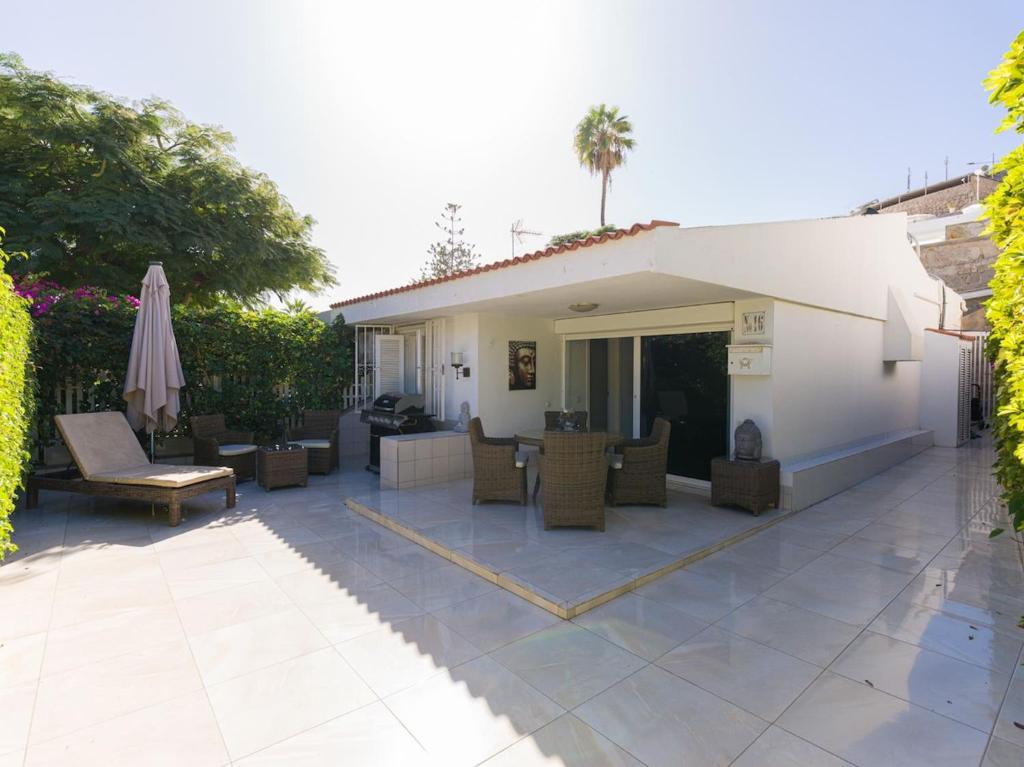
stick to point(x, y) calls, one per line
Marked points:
point(684, 379)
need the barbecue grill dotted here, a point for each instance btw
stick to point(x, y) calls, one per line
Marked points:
point(394, 413)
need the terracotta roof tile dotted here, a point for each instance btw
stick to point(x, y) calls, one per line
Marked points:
point(617, 234)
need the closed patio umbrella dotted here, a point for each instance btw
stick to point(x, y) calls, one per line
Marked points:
point(154, 369)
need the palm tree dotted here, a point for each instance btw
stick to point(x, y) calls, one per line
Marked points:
point(602, 140)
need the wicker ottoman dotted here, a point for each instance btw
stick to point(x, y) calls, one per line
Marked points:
point(282, 466)
point(752, 485)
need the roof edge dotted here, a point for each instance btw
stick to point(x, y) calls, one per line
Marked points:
point(617, 234)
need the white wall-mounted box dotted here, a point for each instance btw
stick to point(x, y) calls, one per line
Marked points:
point(750, 359)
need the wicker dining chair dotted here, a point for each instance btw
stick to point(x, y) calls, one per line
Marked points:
point(644, 464)
point(575, 475)
point(499, 473)
point(319, 435)
point(217, 445)
point(551, 419)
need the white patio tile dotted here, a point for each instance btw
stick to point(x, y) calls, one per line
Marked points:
point(398, 656)
point(778, 748)
point(16, 703)
point(566, 742)
point(368, 736)
point(1011, 715)
point(804, 634)
point(844, 589)
point(743, 576)
point(101, 639)
point(947, 686)
point(665, 721)
point(471, 712)
point(980, 607)
point(495, 619)
point(567, 663)
point(226, 607)
point(643, 626)
point(243, 647)
point(178, 732)
point(12, 759)
point(1002, 753)
point(919, 540)
point(277, 702)
point(866, 726)
point(348, 615)
point(85, 696)
point(320, 584)
point(21, 659)
point(905, 560)
point(948, 635)
point(443, 586)
point(84, 602)
point(773, 552)
point(203, 579)
point(750, 675)
point(698, 595)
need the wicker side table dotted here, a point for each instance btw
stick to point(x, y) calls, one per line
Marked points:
point(282, 466)
point(752, 485)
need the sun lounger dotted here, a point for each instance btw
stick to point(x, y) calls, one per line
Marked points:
point(112, 463)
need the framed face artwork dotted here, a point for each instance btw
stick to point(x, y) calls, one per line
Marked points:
point(522, 365)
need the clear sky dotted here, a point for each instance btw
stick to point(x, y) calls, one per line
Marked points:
point(371, 116)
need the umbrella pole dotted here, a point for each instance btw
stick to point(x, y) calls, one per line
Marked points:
point(152, 459)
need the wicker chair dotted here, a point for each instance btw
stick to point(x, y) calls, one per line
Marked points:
point(216, 445)
point(575, 475)
point(551, 419)
point(498, 473)
point(319, 435)
point(641, 479)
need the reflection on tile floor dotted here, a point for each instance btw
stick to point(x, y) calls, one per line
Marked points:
point(564, 570)
point(878, 628)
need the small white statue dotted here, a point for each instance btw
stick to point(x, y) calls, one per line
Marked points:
point(463, 425)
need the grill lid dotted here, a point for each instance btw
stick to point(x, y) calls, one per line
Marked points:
point(398, 402)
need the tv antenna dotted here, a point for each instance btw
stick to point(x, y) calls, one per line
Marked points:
point(518, 232)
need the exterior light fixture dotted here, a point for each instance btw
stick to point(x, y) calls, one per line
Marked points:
point(583, 307)
point(457, 363)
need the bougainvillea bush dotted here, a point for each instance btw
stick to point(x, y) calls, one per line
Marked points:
point(1005, 209)
point(258, 367)
point(15, 398)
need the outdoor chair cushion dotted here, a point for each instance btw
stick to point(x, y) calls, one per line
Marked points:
point(229, 450)
point(313, 444)
point(105, 450)
point(522, 458)
point(100, 442)
point(162, 475)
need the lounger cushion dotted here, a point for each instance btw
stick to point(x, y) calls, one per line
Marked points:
point(313, 444)
point(100, 442)
point(162, 475)
point(229, 450)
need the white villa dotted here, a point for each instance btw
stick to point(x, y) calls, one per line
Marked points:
point(814, 329)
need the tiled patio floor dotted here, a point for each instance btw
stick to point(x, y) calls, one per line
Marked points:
point(878, 628)
point(567, 571)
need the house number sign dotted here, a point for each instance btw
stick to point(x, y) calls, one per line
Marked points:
point(753, 323)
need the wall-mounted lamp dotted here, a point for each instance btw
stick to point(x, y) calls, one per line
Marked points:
point(457, 363)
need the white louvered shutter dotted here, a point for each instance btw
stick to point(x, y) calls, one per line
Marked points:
point(389, 364)
point(963, 420)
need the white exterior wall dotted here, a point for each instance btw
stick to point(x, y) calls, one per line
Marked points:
point(830, 387)
point(504, 412)
point(462, 334)
point(939, 387)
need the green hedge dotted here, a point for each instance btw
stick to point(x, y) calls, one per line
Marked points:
point(15, 399)
point(249, 353)
point(1005, 208)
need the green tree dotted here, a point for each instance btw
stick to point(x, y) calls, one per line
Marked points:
point(602, 141)
point(1005, 310)
point(452, 254)
point(93, 188)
